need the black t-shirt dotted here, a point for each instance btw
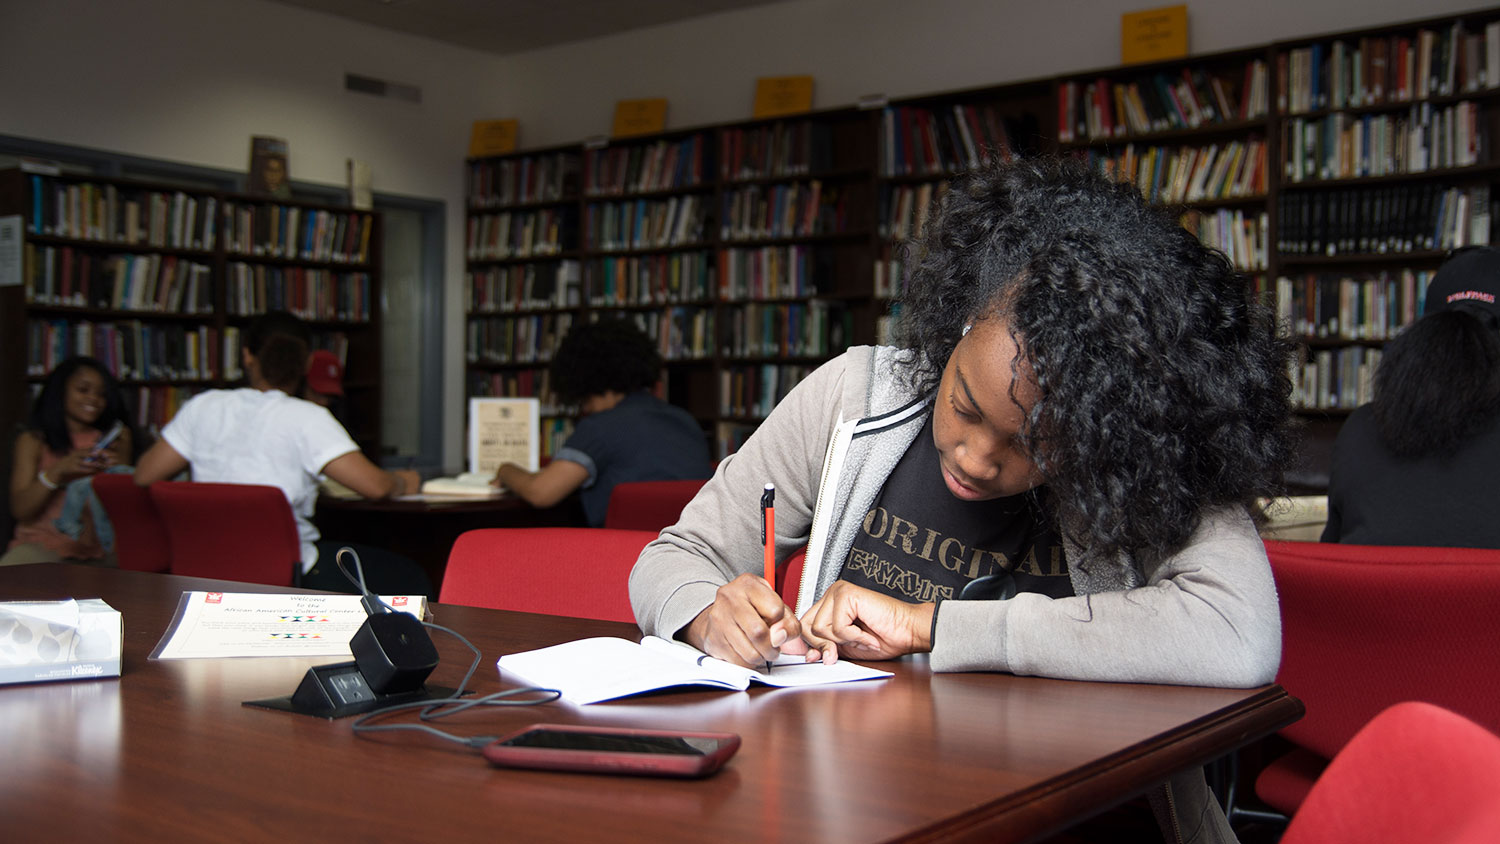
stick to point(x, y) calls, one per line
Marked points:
point(920, 544)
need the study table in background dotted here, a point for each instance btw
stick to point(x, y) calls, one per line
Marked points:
point(166, 752)
point(424, 527)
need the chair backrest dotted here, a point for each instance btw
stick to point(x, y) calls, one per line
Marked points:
point(649, 505)
point(243, 532)
point(1416, 774)
point(1364, 627)
point(579, 572)
point(140, 534)
point(789, 578)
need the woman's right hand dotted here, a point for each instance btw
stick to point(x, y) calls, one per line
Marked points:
point(747, 623)
point(78, 463)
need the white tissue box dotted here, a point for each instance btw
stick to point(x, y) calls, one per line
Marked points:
point(59, 640)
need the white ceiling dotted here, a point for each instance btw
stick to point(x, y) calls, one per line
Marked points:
point(513, 26)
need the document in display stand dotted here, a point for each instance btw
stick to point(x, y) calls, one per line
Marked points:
point(605, 668)
point(226, 624)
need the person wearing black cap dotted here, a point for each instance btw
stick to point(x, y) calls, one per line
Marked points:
point(1417, 465)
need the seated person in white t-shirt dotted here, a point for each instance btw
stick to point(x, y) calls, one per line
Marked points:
point(261, 434)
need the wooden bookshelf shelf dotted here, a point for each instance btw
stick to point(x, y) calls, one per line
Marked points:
point(178, 253)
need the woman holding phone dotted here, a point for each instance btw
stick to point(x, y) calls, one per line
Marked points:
point(64, 442)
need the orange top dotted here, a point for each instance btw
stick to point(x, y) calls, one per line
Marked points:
point(41, 531)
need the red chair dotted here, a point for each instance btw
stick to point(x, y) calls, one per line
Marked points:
point(140, 535)
point(1364, 627)
point(789, 578)
point(649, 505)
point(578, 572)
point(243, 532)
point(1416, 774)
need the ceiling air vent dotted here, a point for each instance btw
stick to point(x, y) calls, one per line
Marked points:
point(381, 88)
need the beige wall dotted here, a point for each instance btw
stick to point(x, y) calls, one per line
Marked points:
point(192, 80)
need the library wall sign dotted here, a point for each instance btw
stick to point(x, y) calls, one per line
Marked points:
point(1153, 35)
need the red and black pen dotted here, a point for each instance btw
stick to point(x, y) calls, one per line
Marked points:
point(768, 536)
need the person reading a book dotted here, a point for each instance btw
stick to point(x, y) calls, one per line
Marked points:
point(626, 434)
point(1416, 466)
point(1053, 473)
point(263, 434)
point(78, 404)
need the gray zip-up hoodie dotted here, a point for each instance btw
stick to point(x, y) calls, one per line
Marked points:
point(1206, 615)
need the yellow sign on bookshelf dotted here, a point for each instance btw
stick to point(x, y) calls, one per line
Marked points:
point(493, 137)
point(778, 95)
point(639, 117)
point(1153, 35)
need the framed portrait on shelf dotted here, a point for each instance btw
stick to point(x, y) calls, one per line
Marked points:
point(270, 175)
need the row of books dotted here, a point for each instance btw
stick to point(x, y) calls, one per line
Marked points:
point(778, 150)
point(336, 342)
point(646, 223)
point(146, 281)
point(511, 383)
point(111, 214)
point(539, 233)
point(1344, 146)
point(641, 168)
point(773, 272)
point(519, 287)
point(751, 391)
point(1335, 379)
point(518, 339)
point(681, 333)
point(130, 349)
point(652, 279)
point(937, 141)
point(1243, 236)
point(543, 177)
point(1399, 68)
point(813, 329)
point(1107, 108)
point(1185, 174)
point(312, 294)
point(154, 406)
point(271, 230)
point(902, 211)
point(1365, 306)
point(1383, 220)
point(791, 209)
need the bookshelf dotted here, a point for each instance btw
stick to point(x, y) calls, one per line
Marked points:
point(1386, 164)
point(158, 283)
point(1193, 135)
point(796, 218)
point(926, 141)
point(1334, 170)
point(523, 274)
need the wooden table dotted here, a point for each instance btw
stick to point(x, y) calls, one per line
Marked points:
point(167, 753)
point(425, 529)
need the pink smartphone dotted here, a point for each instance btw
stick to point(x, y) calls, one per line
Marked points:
point(613, 750)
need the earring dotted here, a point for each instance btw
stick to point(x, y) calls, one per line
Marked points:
point(965, 332)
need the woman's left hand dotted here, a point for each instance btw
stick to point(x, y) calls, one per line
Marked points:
point(858, 623)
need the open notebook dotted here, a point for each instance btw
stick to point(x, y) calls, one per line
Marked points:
point(604, 668)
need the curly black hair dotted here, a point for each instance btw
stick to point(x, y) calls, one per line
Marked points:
point(48, 416)
point(611, 354)
point(1163, 388)
point(1438, 383)
point(280, 341)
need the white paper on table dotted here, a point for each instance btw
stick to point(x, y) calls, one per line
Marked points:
point(223, 624)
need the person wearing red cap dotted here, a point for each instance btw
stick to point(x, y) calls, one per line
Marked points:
point(325, 378)
point(1417, 465)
